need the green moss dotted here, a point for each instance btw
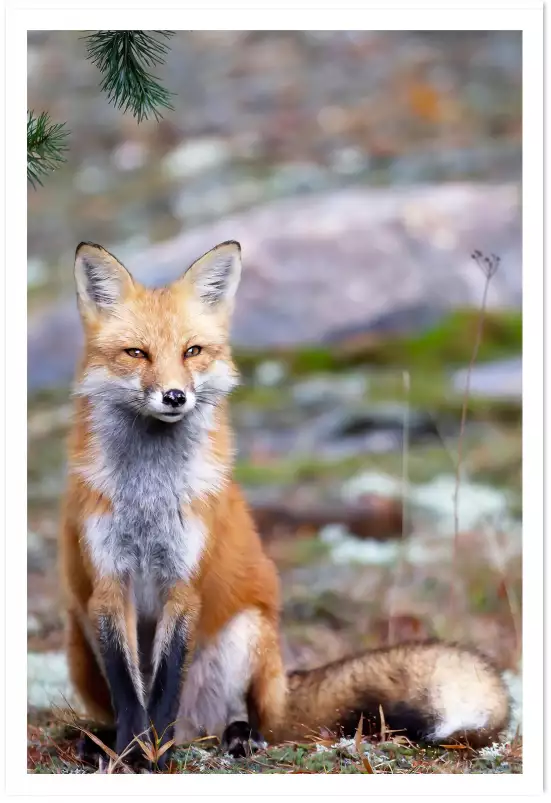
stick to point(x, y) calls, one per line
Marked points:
point(453, 339)
point(386, 757)
point(449, 342)
point(299, 469)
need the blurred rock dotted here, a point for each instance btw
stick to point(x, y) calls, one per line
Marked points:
point(34, 625)
point(373, 517)
point(37, 552)
point(497, 380)
point(477, 504)
point(347, 431)
point(48, 680)
point(371, 482)
point(270, 373)
point(311, 264)
point(322, 390)
point(411, 318)
point(129, 156)
point(346, 549)
point(195, 156)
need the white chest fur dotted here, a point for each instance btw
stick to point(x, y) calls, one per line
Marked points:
point(150, 472)
point(152, 548)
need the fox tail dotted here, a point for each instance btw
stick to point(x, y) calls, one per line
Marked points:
point(427, 691)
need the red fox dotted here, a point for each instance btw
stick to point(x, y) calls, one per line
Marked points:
point(172, 604)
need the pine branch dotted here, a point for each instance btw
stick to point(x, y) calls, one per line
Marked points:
point(124, 58)
point(46, 143)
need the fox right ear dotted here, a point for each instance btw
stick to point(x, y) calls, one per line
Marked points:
point(214, 277)
point(101, 279)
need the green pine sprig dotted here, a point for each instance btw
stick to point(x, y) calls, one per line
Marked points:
point(46, 144)
point(124, 57)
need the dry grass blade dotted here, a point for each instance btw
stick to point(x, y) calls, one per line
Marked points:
point(489, 266)
point(359, 733)
point(155, 752)
point(302, 772)
point(512, 599)
point(110, 769)
point(367, 764)
point(406, 523)
point(128, 749)
point(146, 749)
point(455, 746)
point(205, 739)
point(384, 730)
point(164, 748)
point(358, 742)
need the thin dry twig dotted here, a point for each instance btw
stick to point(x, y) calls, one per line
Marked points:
point(384, 729)
point(358, 742)
point(489, 266)
point(397, 575)
point(512, 599)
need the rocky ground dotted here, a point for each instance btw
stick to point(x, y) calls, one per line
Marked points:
point(51, 750)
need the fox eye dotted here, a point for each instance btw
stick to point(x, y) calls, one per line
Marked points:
point(192, 351)
point(137, 353)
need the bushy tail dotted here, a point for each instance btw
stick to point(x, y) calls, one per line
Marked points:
point(428, 691)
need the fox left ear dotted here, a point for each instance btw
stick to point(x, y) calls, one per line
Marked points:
point(215, 276)
point(100, 278)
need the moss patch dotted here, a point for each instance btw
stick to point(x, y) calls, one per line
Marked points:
point(449, 342)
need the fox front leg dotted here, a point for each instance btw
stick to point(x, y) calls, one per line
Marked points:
point(107, 609)
point(174, 640)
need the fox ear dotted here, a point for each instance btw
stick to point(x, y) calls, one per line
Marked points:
point(214, 277)
point(100, 278)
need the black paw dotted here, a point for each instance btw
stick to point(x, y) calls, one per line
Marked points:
point(240, 740)
point(89, 750)
point(126, 744)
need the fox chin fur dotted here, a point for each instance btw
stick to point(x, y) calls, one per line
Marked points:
point(172, 604)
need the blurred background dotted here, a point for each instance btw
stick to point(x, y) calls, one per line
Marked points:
point(359, 170)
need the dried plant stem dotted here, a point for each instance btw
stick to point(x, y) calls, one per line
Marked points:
point(406, 382)
point(489, 266)
point(512, 598)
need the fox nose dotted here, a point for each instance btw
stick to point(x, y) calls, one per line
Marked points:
point(174, 397)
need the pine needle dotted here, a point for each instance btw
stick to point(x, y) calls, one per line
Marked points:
point(46, 144)
point(124, 58)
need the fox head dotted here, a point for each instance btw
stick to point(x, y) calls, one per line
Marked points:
point(160, 352)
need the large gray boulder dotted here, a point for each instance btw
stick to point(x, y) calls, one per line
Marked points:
point(315, 266)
